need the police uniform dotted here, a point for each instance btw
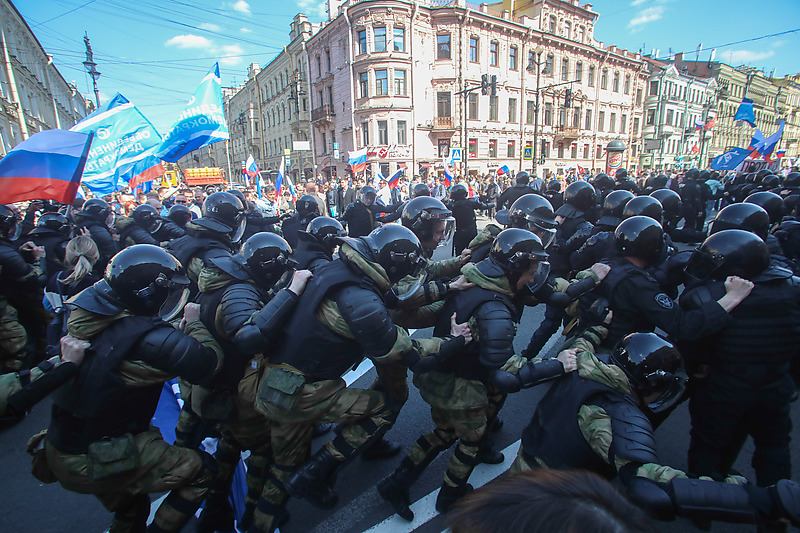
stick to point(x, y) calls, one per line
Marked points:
point(512, 194)
point(131, 232)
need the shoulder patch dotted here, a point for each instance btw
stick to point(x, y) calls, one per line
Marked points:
point(664, 301)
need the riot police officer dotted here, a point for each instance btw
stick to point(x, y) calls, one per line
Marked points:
point(307, 210)
point(180, 215)
point(624, 183)
point(100, 440)
point(317, 243)
point(601, 244)
point(359, 217)
point(139, 227)
point(52, 232)
point(511, 194)
point(97, 217)
point(463, 209)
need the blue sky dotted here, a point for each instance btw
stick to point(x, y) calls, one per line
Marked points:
point(155, 52)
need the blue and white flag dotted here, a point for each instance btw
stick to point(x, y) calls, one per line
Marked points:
point(201, 123)
point(123, 137)
point(746, 112)
point(730, 160)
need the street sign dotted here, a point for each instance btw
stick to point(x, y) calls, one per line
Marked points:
point(336, 153)
point(527, 153)
point(335, 146)
point(287, 151)
point(301, 145)
point(455, 154)
point(288, 162)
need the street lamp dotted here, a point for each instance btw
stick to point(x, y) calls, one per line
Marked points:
point(91, 69)
point(536, 64)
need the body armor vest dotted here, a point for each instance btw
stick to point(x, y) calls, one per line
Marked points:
point(189, 246)
point(623, 321)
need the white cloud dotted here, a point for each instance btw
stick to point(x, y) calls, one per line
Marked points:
point(232, 50)
point(314, 9)
point(189, 41)
point(210, 27)
point(245, 30)
point(241, 6)
point(646, 15)
point(638, 2)
point(739, 57)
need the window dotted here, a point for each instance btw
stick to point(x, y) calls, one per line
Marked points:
point(399, 39)
point(669, 117)
point(493, 148)
point(599, 153)
point(562, 116)
point(362, 42)
point(553, 23)
point(380, 39)
point(381, 82)
point(565, 69)
point(473, 148)
point(627, 88)
point(590, 81)
point(494, 48)
point(473, 49)
point(604, 79)
point(443, 46)
point(636, 126)
point(586, 151)
point(545, 149)
point(601, 119)
point(512, 148)
point(512, 110)
point(576, 117)
point(561, 150)
point(615, 83)
point(573, 151)
point(588, 124)
point(612, 123)
point(443, 104)
point(548, 114)
point(401, 132)
point(319, 66)
point(623, 122)
point(653, 88)
point(529, 112)
point(383, 132)
point(493, 108)
point(579, 71)
point(512, 58)
point(651, 117)
point(548, 65)
point(363, 83)
point(567, 29)
point(472, 111)
point(399, 82)
point(324, 143)
point(638, 97)
point(328, 59)
point(330, 94)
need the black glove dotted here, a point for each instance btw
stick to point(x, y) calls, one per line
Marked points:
point(447, 350)
point(506, 381)
point(285, 216)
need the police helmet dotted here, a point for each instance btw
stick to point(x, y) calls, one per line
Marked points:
point(554, 186)
point(55, 222)
point(147, 217)
point(771, 202)
point(578, 198)
point(640, 237)
point(660, 181)
point(240, 195)
point(792, 180)
point(750, 177)
point(514, 252)
point(522, 178)
point(744, 216)
point(761, 174)
point(770, 181)
point(98, 210)
point(224, 213)
point(180, 215)
point(613, 206)
point(397, 250)
point(620, 174)
point(602, 181)
point(266, 257)
point(731, 252)
point(147, 280)
point(654, 369)
point(420, 189)
point(458, 191)
point(692, 174)
point(646, 206)
point(367, 195)
point(420, 215)
point(307, 205)
point(704, 175)
point(534, 213)
point(8, 220)
point(670, 202)
point(326, 230)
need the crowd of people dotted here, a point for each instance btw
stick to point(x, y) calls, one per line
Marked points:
point(260, 304)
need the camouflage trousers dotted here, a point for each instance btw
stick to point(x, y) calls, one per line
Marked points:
point(362, 413)
point(188, 474)
point(13, 339)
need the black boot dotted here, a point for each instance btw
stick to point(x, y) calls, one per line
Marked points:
point(311, 481)
point(381, 449)
point(448, 496)
point(395, 488)
point(217, 514)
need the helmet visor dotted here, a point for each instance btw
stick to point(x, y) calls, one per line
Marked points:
point(176, 299)
point(540, 278)
point(546, 235)
point(449, 229)
point(702, 265)
point(673, 386)
point(237, 235)
point(410, 285)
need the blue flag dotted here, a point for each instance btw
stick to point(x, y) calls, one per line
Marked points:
point(201, 123)
point(123, 137)
point(745, 112)
point(730, 160)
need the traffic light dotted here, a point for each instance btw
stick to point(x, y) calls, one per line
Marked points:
point(568, 98)
point(494, 85)
point(485, 84)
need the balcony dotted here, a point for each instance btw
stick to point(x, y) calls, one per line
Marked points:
point(567, 132)
point(323, 113)
point(444, 123)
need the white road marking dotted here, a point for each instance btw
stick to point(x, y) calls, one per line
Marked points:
point(366, 365)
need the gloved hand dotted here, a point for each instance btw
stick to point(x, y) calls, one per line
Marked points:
point(505, 381)
point(447, 350)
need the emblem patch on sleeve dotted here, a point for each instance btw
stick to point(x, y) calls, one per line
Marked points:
point(664, 301)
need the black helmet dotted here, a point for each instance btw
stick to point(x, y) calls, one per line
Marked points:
point(578, 198)
point(745, 216)
point(326, 230)
point(514, 251)
point(306, 205)
point(240, 195)
point(652, 365)
point(180, 215)
point(8, 220)
point(420, 214)
point(224, 213)
point(731, 252)
point(266, 257)
point(367, 193)
point(761, 174)
point(670, 201)
point(770, 181)
point(420, 189)
point(646, 206)
point(792, 180)
point(397, 250)
point(704, 175)
point(692, 174)
point(55, 222)
point(97, 209)
point(146, 280)
point(458, 191)
point(750, 178)
point(620, 174)
point(147, 217)
point(602, 181)
point(771, 202)
point(554, 186)
point(522, 178)
point(660, 181)
point(534, 213)
point(640, 237)
point(613, 206)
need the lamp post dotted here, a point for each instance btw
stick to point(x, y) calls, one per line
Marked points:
point(537, 65)
point(91, 69)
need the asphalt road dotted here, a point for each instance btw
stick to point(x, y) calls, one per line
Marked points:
point(28, 506)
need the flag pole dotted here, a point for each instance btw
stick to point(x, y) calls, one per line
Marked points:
point(228, 156)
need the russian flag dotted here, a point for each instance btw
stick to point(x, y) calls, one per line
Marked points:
point(780, 153)
point(358, 160)
point(448, 174)
point(503, 170)
point(394, 181)
point(143, 171)
point(47, 166)
point(250, 167)
point(698, 125)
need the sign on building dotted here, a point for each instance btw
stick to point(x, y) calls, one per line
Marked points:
point(527, 153)
point(455, 154)
point(652, 144)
